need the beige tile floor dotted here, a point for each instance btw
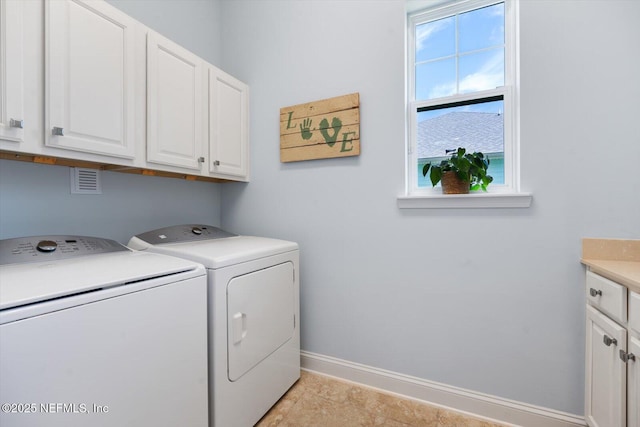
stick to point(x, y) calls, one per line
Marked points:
point(321, 401)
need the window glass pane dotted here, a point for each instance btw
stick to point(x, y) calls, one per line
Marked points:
point(482, 70)
point(474, 126)
point(481, 28)
point(435, 39)
point(436, 79)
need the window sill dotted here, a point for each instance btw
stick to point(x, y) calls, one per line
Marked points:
point(465, 201)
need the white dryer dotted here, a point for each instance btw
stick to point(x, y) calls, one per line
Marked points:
point(254, 335)
point(93, 333)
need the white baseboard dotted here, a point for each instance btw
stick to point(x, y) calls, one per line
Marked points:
point(457, 399)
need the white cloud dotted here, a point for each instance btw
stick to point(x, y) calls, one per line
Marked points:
point(442, 90)
point(489, 76)
point(497, 10)
point(423, 32)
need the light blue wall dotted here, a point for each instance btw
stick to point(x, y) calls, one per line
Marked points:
point(488, 300)
point(193, 24)
point(36, 199)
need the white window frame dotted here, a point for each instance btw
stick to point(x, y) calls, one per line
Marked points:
point(507, 195)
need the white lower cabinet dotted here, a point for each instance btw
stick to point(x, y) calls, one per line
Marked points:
point(606, 373)
point(633, 383)
point(633, 362)
point(612, 381)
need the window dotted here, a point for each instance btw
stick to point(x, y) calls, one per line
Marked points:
point(461, 82)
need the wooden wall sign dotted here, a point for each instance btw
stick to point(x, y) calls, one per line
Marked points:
point(321, 129)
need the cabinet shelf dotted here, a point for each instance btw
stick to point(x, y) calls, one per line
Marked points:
point(59, 161)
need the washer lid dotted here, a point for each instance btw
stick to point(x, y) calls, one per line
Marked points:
point(22, 284)
point(218, 253)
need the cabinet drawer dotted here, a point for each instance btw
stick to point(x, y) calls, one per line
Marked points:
point(634, 311)
point(608, 296)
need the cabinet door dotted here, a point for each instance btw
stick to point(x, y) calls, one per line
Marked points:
point(228, 125)
point(11, 72)
point(175, 104)
point(90, 76)
point(634, 312)
point(605, 396)
point(633, 390)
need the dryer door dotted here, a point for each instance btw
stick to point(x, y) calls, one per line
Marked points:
point(260, 316)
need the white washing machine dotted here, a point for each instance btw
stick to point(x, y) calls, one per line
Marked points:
point(95, 334)
point(254, 336)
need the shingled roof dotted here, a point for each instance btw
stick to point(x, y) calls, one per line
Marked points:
point(472, 130)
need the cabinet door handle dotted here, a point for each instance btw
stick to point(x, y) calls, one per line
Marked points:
point(16, 123)
point(200, 159)
point(608, 341)
point(57, 131)
point(216, 163)
point(594, 293)
point(627, 356)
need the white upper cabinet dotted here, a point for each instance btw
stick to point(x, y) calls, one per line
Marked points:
point(81, 80)
point(90, 79)
point(176, 128)
point(228, 125)
point(12, 120)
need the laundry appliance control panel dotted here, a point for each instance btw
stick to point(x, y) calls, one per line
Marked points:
point(183, 233)
point(44, 248)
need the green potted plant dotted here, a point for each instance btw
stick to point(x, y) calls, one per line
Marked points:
point(461, 172)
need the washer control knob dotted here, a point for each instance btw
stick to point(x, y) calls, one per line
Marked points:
point(196, 230)
point(46, 246)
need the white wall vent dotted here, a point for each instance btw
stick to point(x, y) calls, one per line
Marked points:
point(85, 181)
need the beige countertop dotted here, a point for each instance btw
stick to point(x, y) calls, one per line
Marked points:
point(615, 259)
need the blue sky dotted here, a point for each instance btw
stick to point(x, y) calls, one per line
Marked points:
point(479, 35)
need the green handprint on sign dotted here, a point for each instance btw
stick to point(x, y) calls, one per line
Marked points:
point(305, 129)
point(336, 125)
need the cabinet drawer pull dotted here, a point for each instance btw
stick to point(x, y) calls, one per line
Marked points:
point(594, 293)
point(216, 163)
point(608, 341)
point(16, 123)
point(627, 356)
point(57, 131)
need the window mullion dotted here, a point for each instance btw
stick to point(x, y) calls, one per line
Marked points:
point(457, 55)
point(440, 58)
